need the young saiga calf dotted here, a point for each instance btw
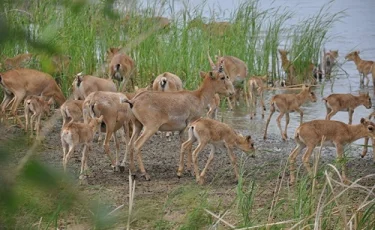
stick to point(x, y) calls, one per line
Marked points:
point(286, 103)
point(208, 131)
point(74, 133)
point(71, 110)
point(37, 106)
point(364, 67)
point(310, 134)
point(256, 85)
point(345, 102)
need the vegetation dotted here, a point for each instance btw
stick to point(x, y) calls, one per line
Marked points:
point(33, 195)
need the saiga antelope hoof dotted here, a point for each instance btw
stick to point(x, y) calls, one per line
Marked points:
point(82, 177)
point(146, 176)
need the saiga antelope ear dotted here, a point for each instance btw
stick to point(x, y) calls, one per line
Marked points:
point(363, 120)
point(248, 138)
point(202, 74)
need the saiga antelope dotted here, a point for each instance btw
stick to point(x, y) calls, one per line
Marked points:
point(212, 28)
point(116, 115)
point(364, 67)
point(286, 103)
point(208, 131)
point(346, 102)
point(74, 133)
point(121, 67)
point(172, 111)
point(235, 69)
point(256, 85)
point(19, 83)
point(365, 145)
point(310, 134)
point(330, 61)
point(35, 107)
point(71, 110)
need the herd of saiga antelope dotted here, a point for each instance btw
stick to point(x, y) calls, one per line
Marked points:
point(165, 106)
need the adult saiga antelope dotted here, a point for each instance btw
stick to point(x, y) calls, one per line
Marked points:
point(121, 67)
point(310, 134)
point(83, 85)
point(172, 111)
point(235, 69)
point(116, 115)
point(167, 82)
point(286, 103)
point(19, 83)
point(364, 67)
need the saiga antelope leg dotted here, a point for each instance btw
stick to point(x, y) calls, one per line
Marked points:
point(199, 148)
point(306, 159)
point(300, 115)
point(187, 145)
point(210, 158)
point(340, 155)
point(351, 111)
point(137, 128)
point(147, 133)
point(233, 160)
point(278, 121)
point(18, 99)
point(292, 161)
point(272, 110)
point(285, 134)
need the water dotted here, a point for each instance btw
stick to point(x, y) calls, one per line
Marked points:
point(355, 31)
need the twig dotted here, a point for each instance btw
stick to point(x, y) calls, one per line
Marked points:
point(220, 219)
point(269, 225)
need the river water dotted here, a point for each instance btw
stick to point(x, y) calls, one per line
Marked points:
point(355, 31)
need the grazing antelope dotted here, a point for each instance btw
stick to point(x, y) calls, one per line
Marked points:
point(212, 28)
point(19, 83)
point(213, 107)
point(364, 67)
point(330, 61)
point(310, 134)
point(256, 85)
point(121, 67)
point(116, 115)
point(286, 103)
point(172, 111)
point(74, 133)
point(71, 110)
point(235, 69)
point(17, 61)
point(345, 102)
point(208, 131)
point(83, 85)
point(35, 107)
point(167, 82)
